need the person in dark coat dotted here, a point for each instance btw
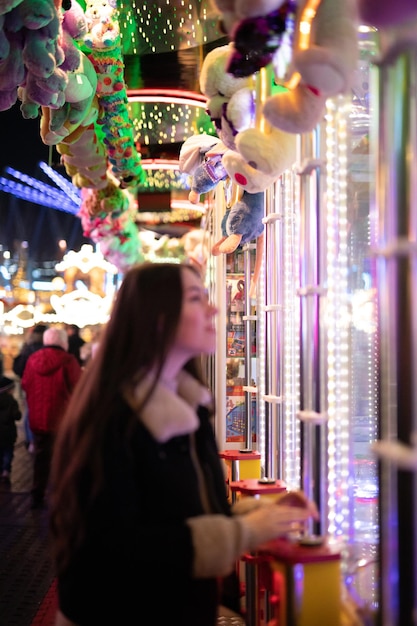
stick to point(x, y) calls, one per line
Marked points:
point(10, 413)
point(75, 342)
point(140, 522)
point(49, 379)
point(34, 342)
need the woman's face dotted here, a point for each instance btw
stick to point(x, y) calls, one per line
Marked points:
point(195, 333)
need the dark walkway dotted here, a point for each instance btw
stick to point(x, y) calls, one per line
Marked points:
point(25, 568)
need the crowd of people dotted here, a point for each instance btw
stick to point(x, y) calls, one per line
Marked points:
point(127, 465)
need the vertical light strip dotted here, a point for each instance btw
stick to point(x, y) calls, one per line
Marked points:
point(337, 320)
point(261, 359)
point(218, 274)
point(291, 457)
point(262, 88)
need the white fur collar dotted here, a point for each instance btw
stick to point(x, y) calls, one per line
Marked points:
point(169, 414)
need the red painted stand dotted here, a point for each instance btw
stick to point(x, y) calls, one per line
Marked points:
point(255, 487)
point(255, 587)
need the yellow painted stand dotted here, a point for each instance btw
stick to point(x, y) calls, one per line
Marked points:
point(241, 465)
point(305, 583)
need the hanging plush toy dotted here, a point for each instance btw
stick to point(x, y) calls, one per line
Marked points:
point(230, 100)
point(78, 108)
point(32, 29)
point(103, 39)
point(242, 223)
point(257, 39)
point(385, 13)
point(31, 14)
point(12, 71)
point(84, 157)
point(324, 57)
point(107, 218)
point(231, 106)
point(206, 172)
point(201, 156)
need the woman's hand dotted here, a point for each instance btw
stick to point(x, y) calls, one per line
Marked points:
point(298, 499)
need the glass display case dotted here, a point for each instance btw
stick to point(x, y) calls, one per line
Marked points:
point(240, 353)
point(233, 370)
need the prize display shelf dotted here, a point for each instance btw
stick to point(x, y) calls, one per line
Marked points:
point(240, 352)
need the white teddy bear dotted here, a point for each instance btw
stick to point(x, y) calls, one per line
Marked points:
point(103, 29)
point(231, 106)
point(230, 101)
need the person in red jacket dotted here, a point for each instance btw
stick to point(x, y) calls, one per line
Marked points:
point(49, 378)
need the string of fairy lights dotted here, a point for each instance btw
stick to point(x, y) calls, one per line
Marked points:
point(154, 27)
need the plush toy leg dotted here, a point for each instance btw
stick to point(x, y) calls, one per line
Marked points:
point(215, 250)
point(244, 222)
point(298, 110)
point(269, 152)
point(229, 244)
point(194, 196)
point(332, 54)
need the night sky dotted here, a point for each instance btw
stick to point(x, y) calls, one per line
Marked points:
point(42, 227)
point(22, 147)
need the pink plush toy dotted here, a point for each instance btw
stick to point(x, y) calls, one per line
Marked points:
point(31, 14)
point(4, 42)
point(30, 30)
point(71, 53)
point(324, 57)
point(12, 72)
point(323, 63)
point(35, 26)
point(74, 21)
point(385, 13)
point(8, 5)
point(40, 52)
point(36, 92)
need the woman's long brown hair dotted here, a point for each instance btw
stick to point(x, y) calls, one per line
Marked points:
point(138, 337)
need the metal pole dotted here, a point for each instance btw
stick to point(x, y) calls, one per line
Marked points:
point(396, 211)
point(309, 292)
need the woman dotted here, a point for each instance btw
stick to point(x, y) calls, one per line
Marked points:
point(139, 516)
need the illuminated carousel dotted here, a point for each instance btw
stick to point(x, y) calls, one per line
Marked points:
point(133, 201)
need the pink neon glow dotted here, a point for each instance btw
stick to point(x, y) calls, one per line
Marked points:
point(177, 96)
point(160, 164)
